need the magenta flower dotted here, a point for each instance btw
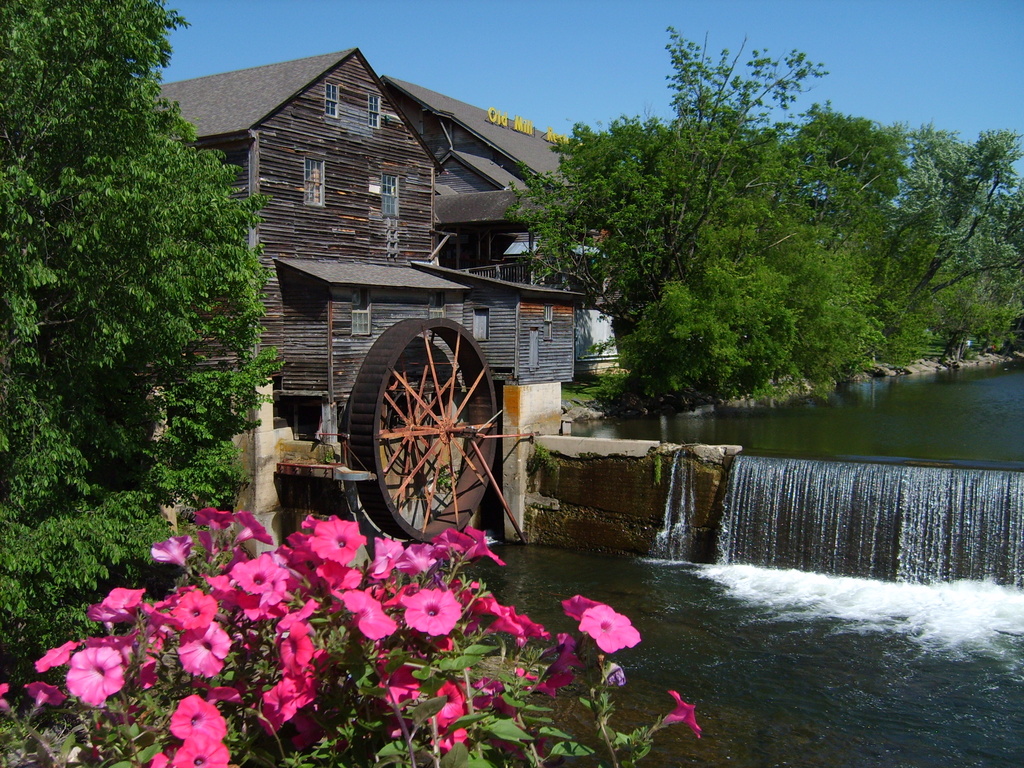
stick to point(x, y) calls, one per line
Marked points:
point(195, 610)
point(402, 686)
point(95, 674)
point(264, 577)
point(480, 548)
point(174, 551)
point(576, 605)
point(683, 713)
point(417, 558)
point(203, 652)
point(282, 702)
point(201, 751)
point(386, 553)
point(432, 611)
point(610, 630)
point(214, 518)
point(454, 708)
point(44, 694)
point(370, 616)
point(5, 705)
point(296, 648)
point(194, 716)
point(251, 528)
point(56, 656)
point(337, 540)
point(119, 606)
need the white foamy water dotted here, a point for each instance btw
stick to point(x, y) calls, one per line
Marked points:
point(963, 615)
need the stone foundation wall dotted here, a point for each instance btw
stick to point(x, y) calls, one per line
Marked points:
point(609, 495)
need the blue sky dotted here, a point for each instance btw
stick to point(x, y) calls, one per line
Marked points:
point(956, 63)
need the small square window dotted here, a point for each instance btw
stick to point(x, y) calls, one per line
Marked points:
point(314, 182)
point(373, 110)
point(331, 100)
point(388, 195)
point(481, 323)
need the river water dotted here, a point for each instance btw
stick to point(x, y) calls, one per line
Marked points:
point(793, 668)
point(973, 415)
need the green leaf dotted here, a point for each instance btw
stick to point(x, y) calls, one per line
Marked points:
point(571, 749)
point(506, 730)
point(457, 757)
point(428, 709)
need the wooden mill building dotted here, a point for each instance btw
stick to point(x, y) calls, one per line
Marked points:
point(353, 240)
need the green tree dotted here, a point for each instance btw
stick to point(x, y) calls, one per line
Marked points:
point(130, 308)
point(958, 217)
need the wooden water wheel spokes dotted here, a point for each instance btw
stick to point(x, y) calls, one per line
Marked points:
point(420, 409)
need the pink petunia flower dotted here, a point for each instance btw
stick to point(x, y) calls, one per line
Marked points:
point(251, 528)
point(576, 605)
point(282, 702)
point(95, 674)
point(370, 616)
point(174, 551)
point(432, 611)
point(160, 760)
point(55, 657)
point(611, 631)
point(214, 518)
point(454, 708)
point(401, 685)
point(117, 607)
point(386, 553)
point(195, 716)
point(5, 705)
point(683, 713)
point(337, 540)
point(44, 694)
point(195, 610)
point(262, 576)
point(296, 648)
point(203, 652)
point(201, 751)
point(417, 558)
point(480, 547)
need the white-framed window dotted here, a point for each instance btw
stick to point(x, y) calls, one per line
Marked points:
point(549, 320)
point(314, 182)
point(481, 323)
point(330, 100)
point(360, 312)
point(388, 195)
point(373, 110)
point(437, 305)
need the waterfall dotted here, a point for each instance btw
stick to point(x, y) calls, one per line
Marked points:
point(884, 521)
point(673, 541)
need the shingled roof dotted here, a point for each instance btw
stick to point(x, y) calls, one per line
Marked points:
point(378, 275)
point(533, 151)
point(236, 101)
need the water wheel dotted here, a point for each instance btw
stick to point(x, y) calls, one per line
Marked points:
point(419, 412)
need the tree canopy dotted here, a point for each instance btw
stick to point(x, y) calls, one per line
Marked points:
point(737, 247)
point(130, 307)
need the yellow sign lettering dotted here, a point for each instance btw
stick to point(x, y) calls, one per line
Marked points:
point(523, 125)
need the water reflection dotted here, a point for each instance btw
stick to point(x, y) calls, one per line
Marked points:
point(973, 415)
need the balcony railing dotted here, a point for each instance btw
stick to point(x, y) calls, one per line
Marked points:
point(511, 272)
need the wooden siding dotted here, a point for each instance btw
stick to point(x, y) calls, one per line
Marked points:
point(555, 355)
point(500, 346)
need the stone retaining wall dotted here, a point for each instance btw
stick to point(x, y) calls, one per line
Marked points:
point(609, 495)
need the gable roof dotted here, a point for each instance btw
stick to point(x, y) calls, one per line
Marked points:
point(236, 101)
point(533, 151)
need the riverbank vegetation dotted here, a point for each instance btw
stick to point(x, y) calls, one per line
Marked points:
point(738, 247)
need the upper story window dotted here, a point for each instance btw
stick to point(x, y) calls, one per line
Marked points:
point(549, 320)
point(373, 110)
point(331, 100)
point(388, 195)
point(314, 182)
